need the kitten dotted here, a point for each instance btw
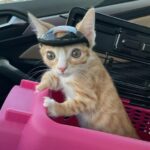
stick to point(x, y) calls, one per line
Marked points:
point(88, 88)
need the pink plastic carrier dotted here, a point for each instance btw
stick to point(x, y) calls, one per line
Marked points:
point(24, 125)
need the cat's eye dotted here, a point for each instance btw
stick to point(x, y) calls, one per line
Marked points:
point(76, 53)
point(50, 55)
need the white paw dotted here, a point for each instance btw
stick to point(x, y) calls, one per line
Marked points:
point(50, 105)
point(48, 102)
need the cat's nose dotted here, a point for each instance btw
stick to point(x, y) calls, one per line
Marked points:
point(62, 69)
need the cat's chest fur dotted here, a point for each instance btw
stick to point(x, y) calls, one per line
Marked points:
point(69, 93)
point(67, 88)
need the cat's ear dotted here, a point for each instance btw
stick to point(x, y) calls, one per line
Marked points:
point(87, 26)
point(39, 27)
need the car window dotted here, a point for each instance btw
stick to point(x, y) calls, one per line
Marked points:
point(112, 2)
point(51, 7)
point(99, 2)
point(11, 1)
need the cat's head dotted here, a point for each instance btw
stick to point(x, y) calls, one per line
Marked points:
point(69, 59)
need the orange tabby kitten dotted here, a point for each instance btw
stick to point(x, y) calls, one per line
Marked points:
point(88, 88)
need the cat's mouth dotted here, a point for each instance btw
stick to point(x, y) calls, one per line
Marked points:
point(63, 74)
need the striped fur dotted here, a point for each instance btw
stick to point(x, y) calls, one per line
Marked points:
point(88, 88)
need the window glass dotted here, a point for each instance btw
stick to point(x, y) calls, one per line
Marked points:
point(11, 1)
point(95, 3)
point(42, 8)
point(112, 2)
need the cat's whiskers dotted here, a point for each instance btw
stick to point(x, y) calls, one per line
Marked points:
point(41, 66)
point(37, 72)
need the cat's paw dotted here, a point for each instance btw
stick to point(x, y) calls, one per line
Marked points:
point(49, 103)
point(39, 87)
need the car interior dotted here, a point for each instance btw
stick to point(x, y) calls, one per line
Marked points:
point(123, 45)
point(19, 51)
